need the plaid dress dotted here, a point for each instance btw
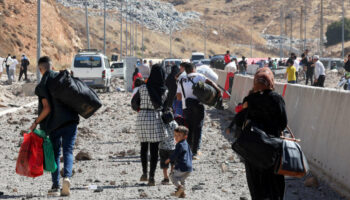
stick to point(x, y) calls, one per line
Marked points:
point(149, 124)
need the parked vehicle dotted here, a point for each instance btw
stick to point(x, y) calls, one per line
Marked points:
point(117, 69)
point(205, 61)
point(197, 56)
point(327, 62)
point(92, 67)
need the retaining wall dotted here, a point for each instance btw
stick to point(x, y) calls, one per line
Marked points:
point(320, 118)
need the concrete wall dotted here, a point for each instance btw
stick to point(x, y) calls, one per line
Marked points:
point(320, 118)
point(222, 77)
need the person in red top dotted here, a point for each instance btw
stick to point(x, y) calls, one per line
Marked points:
point(135, 76)
point(227, 57)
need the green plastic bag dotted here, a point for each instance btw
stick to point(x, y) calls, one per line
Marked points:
point(49, 156)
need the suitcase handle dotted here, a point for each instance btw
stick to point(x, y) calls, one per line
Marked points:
point(291, 133)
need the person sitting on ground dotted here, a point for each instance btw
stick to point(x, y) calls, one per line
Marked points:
point(290, 73)
point(136, 75)
point(24, 67)
point(149, 125)
point(60, 123)
point(227, 57)
point(182, 157)
point(166, 149)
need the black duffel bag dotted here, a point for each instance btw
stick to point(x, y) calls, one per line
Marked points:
point(257, 147)
point(75, 94)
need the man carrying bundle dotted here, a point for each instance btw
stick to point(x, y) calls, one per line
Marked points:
point(193, 109)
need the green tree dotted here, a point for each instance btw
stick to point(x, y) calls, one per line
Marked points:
point(334, 30)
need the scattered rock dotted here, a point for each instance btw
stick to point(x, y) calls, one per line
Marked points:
point(311, 182)
point(15, 190)
point(131, 152)
point(123, 172)
point(143, 195)
point(112, 182)
point(97, 181)
point(223, 167)
point(243, 198)
point(197, 187)
point(80, 170)
point(99, 189)
point(83, 155)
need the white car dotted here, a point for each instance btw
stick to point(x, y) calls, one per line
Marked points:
point(92, 67)
point(117, 69)
point(197, 56)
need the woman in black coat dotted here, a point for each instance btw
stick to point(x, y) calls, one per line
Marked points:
point(266, 109)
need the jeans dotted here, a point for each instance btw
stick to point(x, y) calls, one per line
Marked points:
point(292, 82)
point(194, 116)
point(320, 81)
point(7, 69)
point(23, 71)
point(154, 157)
point(64, 137)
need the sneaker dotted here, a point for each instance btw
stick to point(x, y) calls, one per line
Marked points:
point(195, 157)
point(144, 178)
point(180, 191)
point(54, 192)
point(165, 181)
point(65, 187)
point(151, 182)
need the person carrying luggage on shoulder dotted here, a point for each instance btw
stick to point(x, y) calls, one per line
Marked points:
point(193, 110)
point(60, 123)
point(182, 157)
point(290, 73)
point(265, 109)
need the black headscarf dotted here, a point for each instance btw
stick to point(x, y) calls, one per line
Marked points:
point(156, 85)
point(135, 73)
point(171, 85)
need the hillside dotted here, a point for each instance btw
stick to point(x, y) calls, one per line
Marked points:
point(227, 26)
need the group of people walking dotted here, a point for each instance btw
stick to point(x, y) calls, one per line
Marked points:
point(176, 141)
point(312, 66)
point(10, 65)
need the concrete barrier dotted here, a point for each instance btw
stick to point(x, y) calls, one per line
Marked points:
point(320, 118)
point(222, 77)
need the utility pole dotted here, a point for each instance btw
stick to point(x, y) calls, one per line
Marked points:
point(342, 31)
point(291, 32)
point(131, 24)
point(121, 29)
point(305, 24)
point(251, 41)
point(321, 30)
point(205, 38)
point(301, 27)
point(171, 38)
point(104, 29)
point(136, 34)
point(126, 29)
point(38, 48)
point(142, 48)
point(87, 24)
point(281, 32)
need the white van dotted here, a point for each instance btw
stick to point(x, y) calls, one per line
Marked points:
point(92, 67)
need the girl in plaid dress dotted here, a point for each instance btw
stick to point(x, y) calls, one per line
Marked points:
point(149, 125)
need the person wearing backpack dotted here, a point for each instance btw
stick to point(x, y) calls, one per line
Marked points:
point(60, 123)
point(24, 67)
point(193, 110)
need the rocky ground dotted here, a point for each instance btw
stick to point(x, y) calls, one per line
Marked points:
point(112, 168)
